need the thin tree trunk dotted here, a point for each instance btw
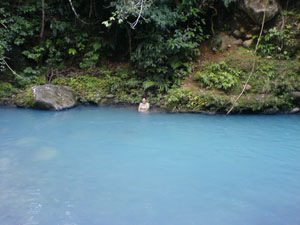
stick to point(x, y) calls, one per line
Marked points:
point(43, 19)
point(129, 40)
point(91, 8)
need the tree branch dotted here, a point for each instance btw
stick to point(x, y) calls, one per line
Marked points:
point(77, 16)
point(3, 25)
point(212, 18)
point(14, 72)
point(133, 25)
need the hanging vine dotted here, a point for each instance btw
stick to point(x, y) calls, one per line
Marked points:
point(253, 66)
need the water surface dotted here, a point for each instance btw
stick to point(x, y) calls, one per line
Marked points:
point(112, 166)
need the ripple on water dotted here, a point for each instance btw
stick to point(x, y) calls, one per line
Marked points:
point(26, 142)
point(4, 164)
point(4, 130)
point(45, 153)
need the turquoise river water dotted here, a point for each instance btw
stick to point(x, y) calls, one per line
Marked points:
point(115, 166)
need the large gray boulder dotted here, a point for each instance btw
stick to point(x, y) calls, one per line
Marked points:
point(255, 9)
point(53, 97)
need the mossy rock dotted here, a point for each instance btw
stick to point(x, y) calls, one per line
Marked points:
point(24, 98)
point(53, 97)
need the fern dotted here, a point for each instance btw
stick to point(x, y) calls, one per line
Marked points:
point(133, 83)
point(148, 84)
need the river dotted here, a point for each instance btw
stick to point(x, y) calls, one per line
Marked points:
point(115, 166)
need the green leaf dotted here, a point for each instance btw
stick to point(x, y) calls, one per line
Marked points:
point(72, 51)
point(106, 23)
point(96, 46)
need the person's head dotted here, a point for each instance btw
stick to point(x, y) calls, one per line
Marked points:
point(144, 100)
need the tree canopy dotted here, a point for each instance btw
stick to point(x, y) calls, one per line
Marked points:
point(157, 36)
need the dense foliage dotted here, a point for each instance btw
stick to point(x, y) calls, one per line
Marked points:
point(218, 75)
point(158, 37)
point(282, 40)
point(131, 48)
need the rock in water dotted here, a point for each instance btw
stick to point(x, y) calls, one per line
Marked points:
point(295, 110)
point(53, 97)
point(255, 9)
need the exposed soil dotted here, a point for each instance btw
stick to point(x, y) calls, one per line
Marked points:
point(208, 55)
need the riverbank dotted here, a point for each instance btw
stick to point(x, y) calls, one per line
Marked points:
point(184, 101)
point(210, 87)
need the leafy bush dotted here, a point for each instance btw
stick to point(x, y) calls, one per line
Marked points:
point(6, 91)
point(183, 99)
point(165, 38)
point(24, 98)
point(89, 89)
point(282, 42)
point(218, 75)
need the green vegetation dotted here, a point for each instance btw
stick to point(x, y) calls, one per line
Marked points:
point(160, 43)
point(268, 90)
point(119, 86)
point(6, 91)
point(115, 52)
point(218, 75)
point(282, 40)
point(24, 98)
